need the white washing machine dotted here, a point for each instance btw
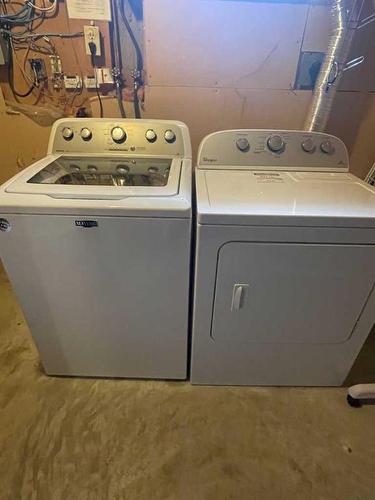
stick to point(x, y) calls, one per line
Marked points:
point(96, 241)
point(284, 278)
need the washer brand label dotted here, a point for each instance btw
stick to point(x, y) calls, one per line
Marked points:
point(5, 225)
point(268, 178)
point(86, 223)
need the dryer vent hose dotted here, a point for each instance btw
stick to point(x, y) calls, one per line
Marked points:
point(332, 68)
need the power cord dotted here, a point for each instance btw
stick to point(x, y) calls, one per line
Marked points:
point(92, 48)
point(11, 75)
point(137, 74)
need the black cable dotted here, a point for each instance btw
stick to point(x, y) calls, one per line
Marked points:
point(117, 57)
point(139, 58)
point(119, 102)
point(92, 48)
point(137, 109)
point(11, 76)
point(132, 37)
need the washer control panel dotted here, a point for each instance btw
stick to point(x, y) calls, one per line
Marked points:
point(273, 149)
point(149, 137)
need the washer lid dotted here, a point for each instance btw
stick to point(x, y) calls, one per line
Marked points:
point(257, 197)
point(99, 177)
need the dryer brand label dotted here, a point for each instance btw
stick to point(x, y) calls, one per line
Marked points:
point(209, 159)
point(262, 177)
point(86, 223)
point(5, 225)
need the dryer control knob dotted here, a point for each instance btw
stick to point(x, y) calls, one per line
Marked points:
point(67, 133)
point(169, 136)
point(151, 135)
point(275, 143)
point(308, 145)
point(243, 144)
point(118, 134)
point(327, 147)
point(86, 134)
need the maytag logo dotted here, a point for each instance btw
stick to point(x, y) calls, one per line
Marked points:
point(86, 223)
point(5, 225)
point(209, 160)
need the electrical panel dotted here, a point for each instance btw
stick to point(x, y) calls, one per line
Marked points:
point(38, 69)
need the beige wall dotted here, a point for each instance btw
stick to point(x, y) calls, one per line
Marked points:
point(223, 64)
point(218, 64)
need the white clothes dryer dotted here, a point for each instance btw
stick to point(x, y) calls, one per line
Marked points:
point(285, 251)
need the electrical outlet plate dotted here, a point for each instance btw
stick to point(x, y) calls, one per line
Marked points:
point(72, 82)
point(104, 76)
point(91, 82)
point(92, 34)
point(55, 62)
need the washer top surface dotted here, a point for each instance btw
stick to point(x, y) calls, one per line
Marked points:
point(273, 193)
point(99, 177)
point(106, 166)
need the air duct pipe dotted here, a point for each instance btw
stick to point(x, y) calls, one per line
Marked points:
point(332, 67)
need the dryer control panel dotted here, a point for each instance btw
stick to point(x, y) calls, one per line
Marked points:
point(130, 136)
point(273, 149)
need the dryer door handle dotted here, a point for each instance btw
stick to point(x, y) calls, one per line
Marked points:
point(239, 290)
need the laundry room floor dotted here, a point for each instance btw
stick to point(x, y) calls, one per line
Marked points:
point(78, 439)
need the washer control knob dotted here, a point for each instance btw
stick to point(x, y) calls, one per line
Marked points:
point(243, 144)
point(86, 134)
point(170, 136)
point(275, 143)
point(308, 145)
point(151, 135)
point(67, 133)
point(118, 134)
point(327, 147)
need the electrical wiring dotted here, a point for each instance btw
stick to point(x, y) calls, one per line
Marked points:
point(43, 9)
point(22, 17)
point(31, 82)
point(36, 36)
point(116, 53)
point(137, 76)
point(92, 48)
point(19, 25)
point(79, 89)
point(137, 48)
point(11, 74)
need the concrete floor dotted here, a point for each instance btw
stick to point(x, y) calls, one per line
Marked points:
point(74, 439)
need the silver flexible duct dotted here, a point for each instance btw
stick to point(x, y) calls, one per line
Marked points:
point(332, 67)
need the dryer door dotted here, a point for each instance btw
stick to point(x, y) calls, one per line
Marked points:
point(290, 292)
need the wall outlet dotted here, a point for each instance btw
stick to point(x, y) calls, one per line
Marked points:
point(72, 82)
point(92, 34)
